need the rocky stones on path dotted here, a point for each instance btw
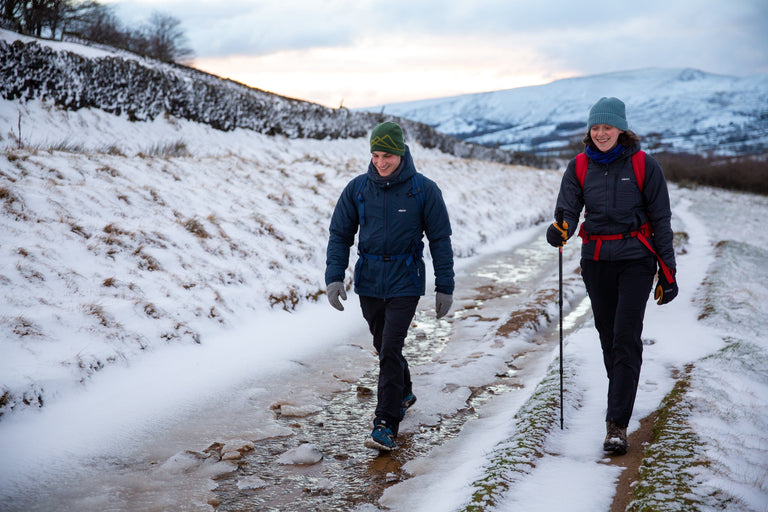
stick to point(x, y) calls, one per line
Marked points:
point(304, 455)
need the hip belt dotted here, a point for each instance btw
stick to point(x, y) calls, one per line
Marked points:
point(642, 234)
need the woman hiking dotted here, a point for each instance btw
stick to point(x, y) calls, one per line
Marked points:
point(626, 234)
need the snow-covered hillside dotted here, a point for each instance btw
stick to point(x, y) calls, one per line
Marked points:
point(118, 236)
point(673, 109)
point(72, 76)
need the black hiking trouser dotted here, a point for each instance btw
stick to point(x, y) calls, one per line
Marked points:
point(389, 320)
point(619, 293)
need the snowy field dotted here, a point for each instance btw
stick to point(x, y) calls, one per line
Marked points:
point(146, 266)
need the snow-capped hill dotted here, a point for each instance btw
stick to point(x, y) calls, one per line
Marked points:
point(673, 109)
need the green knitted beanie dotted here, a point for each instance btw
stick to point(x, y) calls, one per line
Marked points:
point(388, 137)
point(608, 111)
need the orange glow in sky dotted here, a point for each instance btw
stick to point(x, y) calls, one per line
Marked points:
point(370, 73)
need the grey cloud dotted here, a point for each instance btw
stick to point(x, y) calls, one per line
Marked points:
point(586, 36)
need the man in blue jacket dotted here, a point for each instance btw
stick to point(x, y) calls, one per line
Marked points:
point(393, 206)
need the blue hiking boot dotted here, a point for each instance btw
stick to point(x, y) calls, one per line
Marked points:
point(406, 404)
point(382, 438)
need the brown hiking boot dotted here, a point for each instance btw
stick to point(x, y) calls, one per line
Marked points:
point(615, 439)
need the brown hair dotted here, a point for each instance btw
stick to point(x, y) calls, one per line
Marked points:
point(626, 138)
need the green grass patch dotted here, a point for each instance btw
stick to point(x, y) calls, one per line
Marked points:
point(513, 459)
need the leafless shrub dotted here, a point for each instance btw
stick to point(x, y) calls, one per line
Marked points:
point(24, 327)
point(29, 273)
point(182, 332)
point(113, 150)
point(284, 199)
point(152, 311)
point(745, 174)
point(108, 170)
point(288, 301)
point(267, 228)
point(5, 400)
point(98, 312)
point(168, 150)
point(113, 229)
point(90, 367)
point(195, 227)
point(156, 197)
point(147, 262)
point(79, 230)
point(12, 204)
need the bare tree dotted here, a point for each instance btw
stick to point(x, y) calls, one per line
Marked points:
point(166, 40)
point(161, 37)
point(10, 11)
point(97, 22)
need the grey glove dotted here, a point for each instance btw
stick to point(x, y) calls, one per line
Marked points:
point(334, 291)
point(443, 303)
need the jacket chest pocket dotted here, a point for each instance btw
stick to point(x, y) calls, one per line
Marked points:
point(627, 194)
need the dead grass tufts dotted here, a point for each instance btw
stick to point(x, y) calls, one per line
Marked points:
point(12, 204)
point(288, 301)
point(113, 229)
point(79, 230)
point(147, 262)
point(195, 227)
point(104, 319)
point(152, 311)
point(23, 327)
point(108, 170)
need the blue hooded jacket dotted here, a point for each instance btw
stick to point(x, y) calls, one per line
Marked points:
point(394, 225)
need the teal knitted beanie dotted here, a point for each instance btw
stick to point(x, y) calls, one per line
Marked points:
point(608, 111)
point(388, 137)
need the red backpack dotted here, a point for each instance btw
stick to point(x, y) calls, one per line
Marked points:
point(642, 234)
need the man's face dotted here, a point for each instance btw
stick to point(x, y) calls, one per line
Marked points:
point(385, 163)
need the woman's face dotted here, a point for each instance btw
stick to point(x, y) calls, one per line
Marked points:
point(605, 136)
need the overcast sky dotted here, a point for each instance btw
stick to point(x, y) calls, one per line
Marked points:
point(371, 52)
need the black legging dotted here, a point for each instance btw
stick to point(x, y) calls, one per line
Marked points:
point(388, 320)
point(619, 293)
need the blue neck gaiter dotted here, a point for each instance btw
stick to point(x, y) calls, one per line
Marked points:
point(604, 158)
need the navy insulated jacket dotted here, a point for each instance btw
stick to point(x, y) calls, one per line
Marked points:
point(614, 205)
point(394, 225)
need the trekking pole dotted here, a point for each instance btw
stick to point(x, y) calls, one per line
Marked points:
point(559, 219)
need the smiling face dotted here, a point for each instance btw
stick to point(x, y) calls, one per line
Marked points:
point(385, 163)
point(605, 136)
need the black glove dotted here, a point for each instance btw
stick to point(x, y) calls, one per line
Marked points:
point(557, 234)
point(665, 291)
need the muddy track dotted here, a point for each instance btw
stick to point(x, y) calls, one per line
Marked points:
point(503, 297)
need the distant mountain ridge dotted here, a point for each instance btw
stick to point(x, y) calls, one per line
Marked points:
point(678, 110)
